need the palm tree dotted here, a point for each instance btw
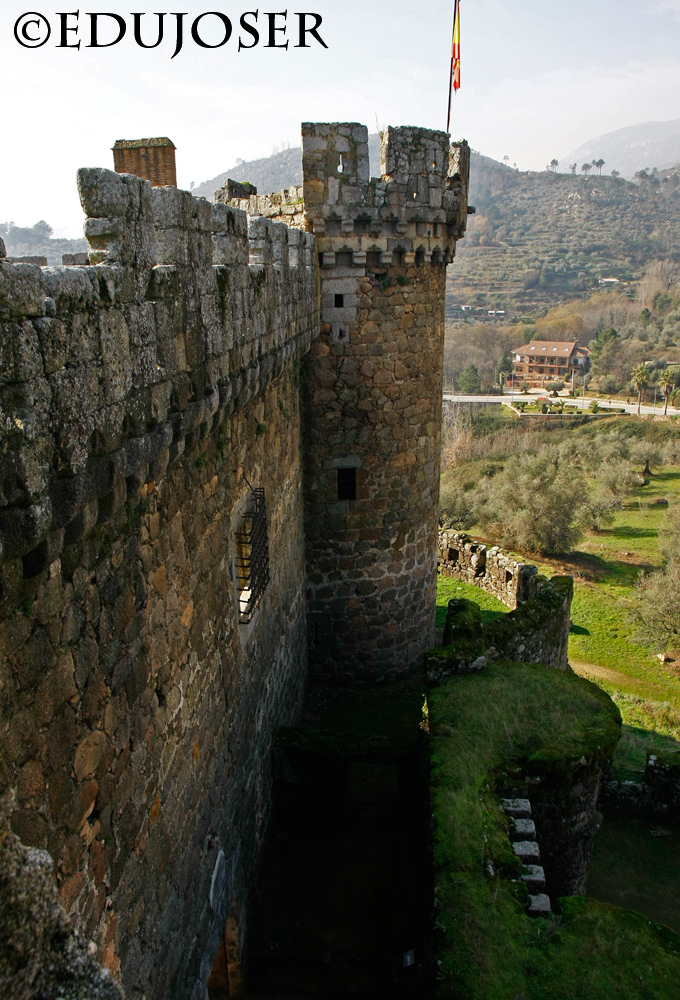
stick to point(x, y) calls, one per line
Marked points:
point(640, 379)
point(599, 164)
point(586, 168)
point(572, 167)
point(554, 164)
point(666, 384)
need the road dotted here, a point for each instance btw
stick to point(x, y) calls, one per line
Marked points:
point(604, 404)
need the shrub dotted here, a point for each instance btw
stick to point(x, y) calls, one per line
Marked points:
point(657, 605)
point(456, 504)
point(537, 504)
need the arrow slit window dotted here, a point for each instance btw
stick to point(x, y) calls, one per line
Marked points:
point(252, 557)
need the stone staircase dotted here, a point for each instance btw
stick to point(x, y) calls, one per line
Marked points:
point(523, 837)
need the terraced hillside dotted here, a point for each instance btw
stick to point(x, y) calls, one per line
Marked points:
point(540, 238)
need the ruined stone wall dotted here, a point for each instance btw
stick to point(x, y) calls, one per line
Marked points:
point(489, 568)
point(140, 397)
point(373, 391)
point(537, 631)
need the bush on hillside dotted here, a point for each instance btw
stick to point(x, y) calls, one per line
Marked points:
point(456, 505)
point(657, 605)
point(537, 505)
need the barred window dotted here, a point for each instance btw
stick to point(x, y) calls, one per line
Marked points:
point(252, 556)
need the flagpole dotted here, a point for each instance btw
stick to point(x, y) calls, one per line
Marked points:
point(453, 42)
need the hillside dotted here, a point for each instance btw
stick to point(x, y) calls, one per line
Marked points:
point(271, 173)
point(541, 238)
point(275, 173)
point(637, 147)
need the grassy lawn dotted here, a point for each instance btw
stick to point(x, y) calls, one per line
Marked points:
point(603, 646)
point(448, 588)
point(651, 863)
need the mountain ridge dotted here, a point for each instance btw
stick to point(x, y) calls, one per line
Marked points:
point(646, 145)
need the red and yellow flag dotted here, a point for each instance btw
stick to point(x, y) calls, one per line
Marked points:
point(455, 59)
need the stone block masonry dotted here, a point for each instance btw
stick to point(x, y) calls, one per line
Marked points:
point(202, 353)
point(374, 391)
point(537, 630)
point(140, 398)
point(373, 388)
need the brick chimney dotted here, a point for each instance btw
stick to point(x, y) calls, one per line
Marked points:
point(153, 159)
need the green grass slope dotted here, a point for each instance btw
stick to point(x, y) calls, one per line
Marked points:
point(487, 948)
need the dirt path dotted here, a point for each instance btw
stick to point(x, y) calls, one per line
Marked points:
point(594, 672)
point(649, 691)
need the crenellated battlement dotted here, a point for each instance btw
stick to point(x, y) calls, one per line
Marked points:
point(186, 312)
point(413, 214)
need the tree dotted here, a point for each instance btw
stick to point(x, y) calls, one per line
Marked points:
point(586, 168)
point(599, 345)
point(456, 505)
point(616, 173)
point(656, 607)
point(573, 167)
point(536, 503)
point(640, 379)
point(667, 383)
point(470, 383)
point(554, 165)
point(598, 164)
point(504, 366)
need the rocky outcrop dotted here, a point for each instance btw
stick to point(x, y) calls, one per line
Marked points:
point(41, 955)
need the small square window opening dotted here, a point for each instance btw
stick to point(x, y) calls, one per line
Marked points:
point(347, 484)
point(339, 301)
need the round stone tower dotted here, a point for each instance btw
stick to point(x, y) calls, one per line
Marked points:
point(373, 390)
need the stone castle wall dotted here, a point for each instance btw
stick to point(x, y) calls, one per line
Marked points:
point(489, 568)
point(144, 395)
point(140, 398)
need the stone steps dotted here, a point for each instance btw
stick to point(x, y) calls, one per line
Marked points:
point(523, 837)
point(534, 879)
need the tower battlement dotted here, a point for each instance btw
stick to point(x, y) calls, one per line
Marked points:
point(417, 208)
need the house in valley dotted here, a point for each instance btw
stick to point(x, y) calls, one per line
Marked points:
point(543, 361)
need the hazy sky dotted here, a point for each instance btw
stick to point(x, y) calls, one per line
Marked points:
point(539, 77)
